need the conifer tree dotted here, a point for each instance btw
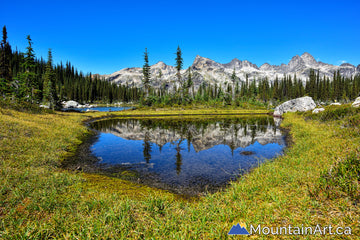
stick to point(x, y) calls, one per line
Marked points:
point(179, 64)
point(146, 73)
point(189, 82)
point(5, 68)
point(233, 79)
point(28, 87)
point(49, 87)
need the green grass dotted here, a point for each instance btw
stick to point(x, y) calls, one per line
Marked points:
point(39, 200)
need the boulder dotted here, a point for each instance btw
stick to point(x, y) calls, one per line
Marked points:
point(44, 106)
point(71, 104)
point(317, 110)
point(302, 104)
point(91, 110)
point(356, 103)
point(335, 104)
point(87, 106)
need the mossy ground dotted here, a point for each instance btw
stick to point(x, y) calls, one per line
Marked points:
point(40, 200)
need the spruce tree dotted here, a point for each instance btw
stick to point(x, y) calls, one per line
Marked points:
point(233, 79)
point(146, 73)
point(189, 82)
point(49, 87)
point(5, 68)
point(179, 64)
point(28, 87)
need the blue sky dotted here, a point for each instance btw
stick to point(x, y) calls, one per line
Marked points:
point(106, 36)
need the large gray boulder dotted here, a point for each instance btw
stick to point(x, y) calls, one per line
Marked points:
point(302, 104)
point(356, 103)
point(71, 104)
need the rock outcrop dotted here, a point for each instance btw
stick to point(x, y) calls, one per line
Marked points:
point(302, 104)
point(356, 103)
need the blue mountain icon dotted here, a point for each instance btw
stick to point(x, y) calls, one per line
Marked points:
point(238, 230)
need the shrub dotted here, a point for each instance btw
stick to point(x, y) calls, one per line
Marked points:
point(334, 113)
point(343, 178)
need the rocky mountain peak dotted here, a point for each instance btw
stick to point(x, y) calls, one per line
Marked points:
point(266, 67)
point(248, 64)
point(160, 65)
point(199, 58)
point(201, 63)
point(296, 64)
point(308, 59)
point(235, 63)
point(347, 65)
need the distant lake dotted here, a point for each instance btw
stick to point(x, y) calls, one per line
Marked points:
point(185, 156)
point(100, 109)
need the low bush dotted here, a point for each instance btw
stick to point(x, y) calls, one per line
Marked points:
point(343, 179)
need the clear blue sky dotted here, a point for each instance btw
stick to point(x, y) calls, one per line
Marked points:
point(106, 36)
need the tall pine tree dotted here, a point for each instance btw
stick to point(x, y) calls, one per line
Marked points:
point(179, 65)
point(189, 82)
point(49, 89)
point(5, 68)
point(233, 79)
point(146, 73)
point(28, 88)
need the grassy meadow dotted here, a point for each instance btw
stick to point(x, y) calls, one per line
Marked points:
point(315, 182)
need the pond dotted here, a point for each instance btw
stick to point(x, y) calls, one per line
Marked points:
point(185, 156)
point(100, 109)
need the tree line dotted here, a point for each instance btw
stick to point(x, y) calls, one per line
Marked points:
point(337, 88)
point(23, 77)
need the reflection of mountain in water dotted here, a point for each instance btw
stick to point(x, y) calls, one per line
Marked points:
point(202, 135)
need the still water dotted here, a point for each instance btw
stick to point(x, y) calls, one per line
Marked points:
point(185, 156)
point(100, 109)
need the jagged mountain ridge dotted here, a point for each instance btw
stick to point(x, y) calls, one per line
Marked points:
point(211, 72)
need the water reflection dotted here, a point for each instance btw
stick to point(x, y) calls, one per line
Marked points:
point(186, 155)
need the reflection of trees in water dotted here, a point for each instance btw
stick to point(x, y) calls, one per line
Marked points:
point(188, 128)
point(189, 138)
point(178, 157)
point(147, 147)
point(182, 126)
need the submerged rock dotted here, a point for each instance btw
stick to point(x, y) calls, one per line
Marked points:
point(302, 104)
point(247, 153)
point(317, 110)
point(356, 103)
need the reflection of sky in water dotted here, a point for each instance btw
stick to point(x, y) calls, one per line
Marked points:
point(182, 165)
point(101, 109)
